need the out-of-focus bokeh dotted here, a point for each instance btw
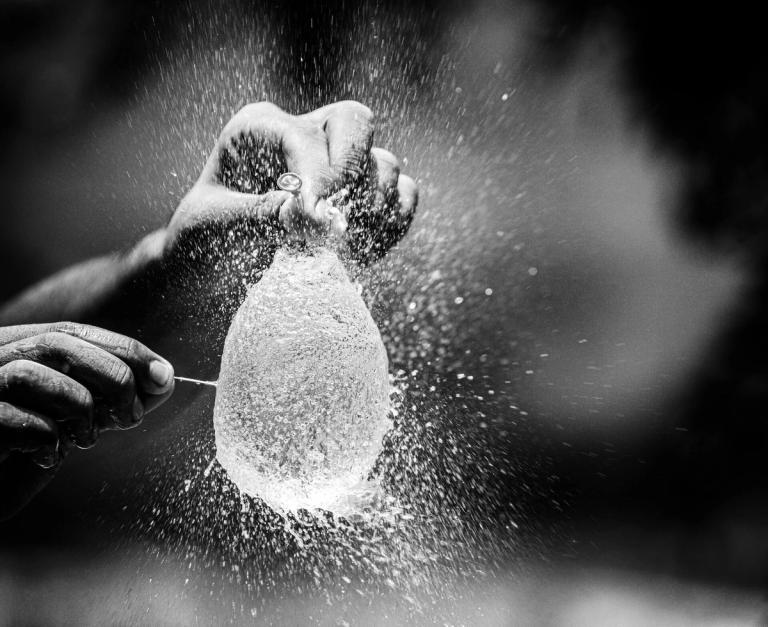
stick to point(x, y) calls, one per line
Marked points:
point(583, 289)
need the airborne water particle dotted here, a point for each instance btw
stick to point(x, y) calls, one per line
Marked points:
point(433, 528)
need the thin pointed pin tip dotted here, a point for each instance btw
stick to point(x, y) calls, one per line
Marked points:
point(196, 381)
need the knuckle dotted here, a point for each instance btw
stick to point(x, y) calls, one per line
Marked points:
point(253, 119)
point(387, 158)
point(19, 372)
point(132, 346)
point(23, 369)
point(258, 110)
point(408, 189)
point(69, 328)
point(53, 338)
point(305, 130)
point(121, 343)
point(6, 411)
point(358, 110)
point(52, 346)
point(122, 376)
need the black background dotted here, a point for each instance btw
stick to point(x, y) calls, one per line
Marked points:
point(697, 73)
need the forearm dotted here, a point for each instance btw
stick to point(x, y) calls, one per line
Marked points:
point(129, 293)
point(88, 292)
point(177, 300)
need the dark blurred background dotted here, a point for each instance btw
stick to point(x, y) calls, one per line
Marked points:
point(685, 500)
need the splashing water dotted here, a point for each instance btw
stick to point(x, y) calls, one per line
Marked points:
point(303, 396)
point(493, 309)
point(450, 508)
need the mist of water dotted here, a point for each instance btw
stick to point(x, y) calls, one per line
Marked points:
point(518, 303)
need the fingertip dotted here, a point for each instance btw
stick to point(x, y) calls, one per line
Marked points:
point(161, 376)
point(311, 204)
point(406, 185)
point(408, 193)
point(322, 212)
point(338, 221)
point(47, 457)
point(391, 159)
point(290, 211)
point(273, 203)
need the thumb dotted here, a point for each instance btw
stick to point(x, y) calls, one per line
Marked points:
point(229, 203)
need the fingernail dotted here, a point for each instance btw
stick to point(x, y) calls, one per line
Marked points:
point(86, 438)
point(160, 373)
point(138, 410)
point(47, 457)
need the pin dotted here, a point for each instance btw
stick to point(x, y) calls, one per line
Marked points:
point(196, 381)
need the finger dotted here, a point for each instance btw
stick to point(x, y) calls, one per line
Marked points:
point(375, 229)
point(28, 432)
point(257, 145)
point(41, 389)
point(306, 154)
point(377, 202)
point(19, 332)
point(397, 214)
point(109, 379)
point(247, 148)
point(153, 373)
point(387, 168)
point(408, 196)
point(20, 480)
point(349, 129)
point(223, 206)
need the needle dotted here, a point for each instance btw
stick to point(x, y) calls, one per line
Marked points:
point(197, 381)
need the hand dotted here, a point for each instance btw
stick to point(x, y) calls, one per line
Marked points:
point(223, 235)
point(235, 211)
point(61, 385)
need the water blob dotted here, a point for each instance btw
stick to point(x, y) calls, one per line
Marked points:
point(303, 393)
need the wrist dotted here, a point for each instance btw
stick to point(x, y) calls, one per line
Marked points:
point(147, 252)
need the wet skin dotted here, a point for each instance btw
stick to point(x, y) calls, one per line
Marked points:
point(63, 383)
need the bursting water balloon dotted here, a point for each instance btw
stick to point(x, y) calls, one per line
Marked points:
point(303, 396)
